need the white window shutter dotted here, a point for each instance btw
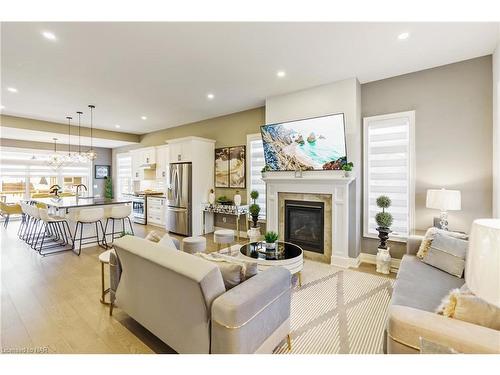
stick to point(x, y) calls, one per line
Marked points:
point(256, 163)
point(388, 170)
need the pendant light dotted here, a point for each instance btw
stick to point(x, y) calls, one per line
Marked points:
point(56, 160)
point(79, 157)
point(91, 154)
point(69, 159)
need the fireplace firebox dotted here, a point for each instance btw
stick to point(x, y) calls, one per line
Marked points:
point(304, 224)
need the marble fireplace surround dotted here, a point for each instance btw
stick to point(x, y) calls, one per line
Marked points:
point(342, 190)
point(308, 197)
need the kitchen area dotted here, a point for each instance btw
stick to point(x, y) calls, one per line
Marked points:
point(170, 184)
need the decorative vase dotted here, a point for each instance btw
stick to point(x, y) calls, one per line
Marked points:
point(270, 246)
point(237, 200)
point(255, 219)
point(383, 261)
point(383, 235)
point(347, 173)
point(254, 234)
point(211, 198)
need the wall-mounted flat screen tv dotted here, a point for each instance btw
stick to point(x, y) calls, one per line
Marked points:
point(311, 144)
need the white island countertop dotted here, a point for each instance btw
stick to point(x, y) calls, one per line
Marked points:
point(76, 202)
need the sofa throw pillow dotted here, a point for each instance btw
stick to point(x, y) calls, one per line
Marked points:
point(153, 236)
point(463, 305)
point(166, 241)
point(447, 253)
point(232, 273)
point(429, 237)
point(249, 268)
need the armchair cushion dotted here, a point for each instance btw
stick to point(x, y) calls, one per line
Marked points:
point(245, 317)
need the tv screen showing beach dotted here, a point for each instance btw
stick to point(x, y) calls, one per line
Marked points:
point(310, 144)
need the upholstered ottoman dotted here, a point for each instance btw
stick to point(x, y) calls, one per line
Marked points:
point(223, 236)
point(194, 245)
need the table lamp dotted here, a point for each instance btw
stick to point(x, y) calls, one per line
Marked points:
point(482, 268)
point(443, 200)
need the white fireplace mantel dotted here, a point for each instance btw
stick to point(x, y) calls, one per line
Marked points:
point(343, 193)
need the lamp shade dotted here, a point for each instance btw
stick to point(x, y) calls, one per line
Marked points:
point(444, 200)
point(482, 268)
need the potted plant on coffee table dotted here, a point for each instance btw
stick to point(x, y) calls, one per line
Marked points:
point(271, 238)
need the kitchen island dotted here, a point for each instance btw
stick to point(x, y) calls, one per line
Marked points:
point(69, 208)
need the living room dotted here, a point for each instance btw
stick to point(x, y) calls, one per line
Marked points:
point(298, 199)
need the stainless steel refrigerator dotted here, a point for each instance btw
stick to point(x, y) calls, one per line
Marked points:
point(179, 215)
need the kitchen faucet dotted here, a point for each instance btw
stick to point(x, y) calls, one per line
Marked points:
point(78, 189)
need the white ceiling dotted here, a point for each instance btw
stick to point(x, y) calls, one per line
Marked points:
point(165, 70)
point(44, 136)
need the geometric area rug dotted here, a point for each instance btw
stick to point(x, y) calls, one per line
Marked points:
point(338, 311)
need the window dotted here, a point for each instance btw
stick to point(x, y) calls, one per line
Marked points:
point(256, 162)
point(389, 157)
point(124, 174)
point(25, 172)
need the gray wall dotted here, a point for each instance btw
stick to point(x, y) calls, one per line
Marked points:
point(453, 135)
point(104, 157)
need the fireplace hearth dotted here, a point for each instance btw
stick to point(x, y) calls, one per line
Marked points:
point(304, 224)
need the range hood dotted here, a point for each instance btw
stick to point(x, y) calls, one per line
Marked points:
point(148, 166)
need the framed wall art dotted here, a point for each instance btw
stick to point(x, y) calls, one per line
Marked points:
point(102, 171)
point(222, 167)
point(237, 167)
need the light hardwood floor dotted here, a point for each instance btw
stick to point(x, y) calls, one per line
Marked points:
point(51, 303)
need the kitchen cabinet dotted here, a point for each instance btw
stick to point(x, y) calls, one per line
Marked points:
point(162, 161)
point(136, 163)
point(148, 155)
point(156, 210)
point(141, 157)
point(180, 151)
point(200, 153)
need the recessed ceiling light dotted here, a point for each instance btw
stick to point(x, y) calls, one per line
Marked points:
point(210, 96)
point(49, 35)
point(281, 73)
point(403, 36)
point(11, 89)
point(144, 118)
point(117, 126)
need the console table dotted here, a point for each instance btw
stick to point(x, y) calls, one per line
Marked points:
point(210, 210)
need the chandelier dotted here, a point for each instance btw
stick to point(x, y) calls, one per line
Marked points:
point(56, 160)
point(91, 154)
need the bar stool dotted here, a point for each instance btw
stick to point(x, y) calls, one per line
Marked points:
point(193, 245)
point(24, 220)
point(86, 217)
point(56, 230)
point(119, 213)
point(223, 236)
point(104, 259)
point(33, 225)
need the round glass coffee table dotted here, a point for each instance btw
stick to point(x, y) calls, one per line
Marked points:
point(285, 255)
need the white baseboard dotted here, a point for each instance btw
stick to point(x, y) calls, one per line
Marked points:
point(372, 259)
point(344, 262)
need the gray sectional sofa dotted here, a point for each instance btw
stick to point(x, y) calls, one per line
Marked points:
point(182, 300)
point(417, 293)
